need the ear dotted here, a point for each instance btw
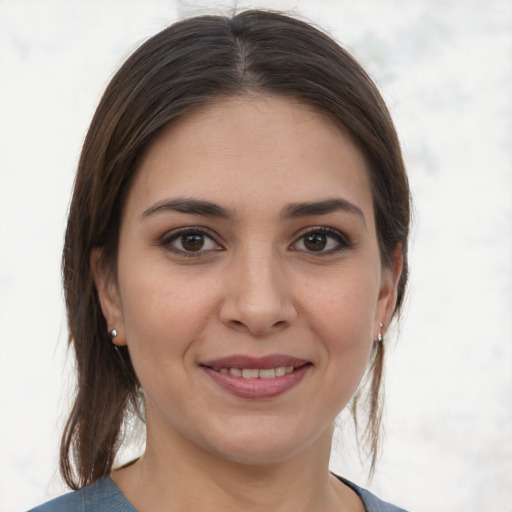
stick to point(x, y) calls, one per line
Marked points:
point(108, 294)
point(388, 291)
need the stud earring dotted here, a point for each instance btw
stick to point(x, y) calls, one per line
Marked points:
point(380, 338)
point(113, 333)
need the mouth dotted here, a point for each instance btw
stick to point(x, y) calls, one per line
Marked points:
point(263, 377)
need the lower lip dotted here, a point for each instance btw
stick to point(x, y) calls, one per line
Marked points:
point(257, 388)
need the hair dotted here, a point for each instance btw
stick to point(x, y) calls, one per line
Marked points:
point(182, 68)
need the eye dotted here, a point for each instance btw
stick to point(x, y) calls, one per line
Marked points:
point(322, 240)
point(187, 241)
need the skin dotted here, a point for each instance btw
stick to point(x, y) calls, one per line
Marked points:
point(255, 288)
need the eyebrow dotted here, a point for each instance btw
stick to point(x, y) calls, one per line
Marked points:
point(291, 211)
point(297, 210)
point(191, 206)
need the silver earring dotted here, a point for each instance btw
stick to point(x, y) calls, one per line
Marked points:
point(113, 333)
point(380, 338)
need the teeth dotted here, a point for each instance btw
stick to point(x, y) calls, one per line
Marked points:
point(267, 374)
point(250, 373)
point(279, 372)
point(255, 373)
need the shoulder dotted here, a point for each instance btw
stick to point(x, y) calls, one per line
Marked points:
point(371, 502)
point(98, 497)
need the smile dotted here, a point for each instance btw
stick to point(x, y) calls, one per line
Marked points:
point(257, 378)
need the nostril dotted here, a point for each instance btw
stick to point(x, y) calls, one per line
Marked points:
point(237, 324)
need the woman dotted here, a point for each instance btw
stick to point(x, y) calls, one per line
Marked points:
point(236, 249)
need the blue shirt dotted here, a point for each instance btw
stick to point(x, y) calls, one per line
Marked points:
point(105, 496)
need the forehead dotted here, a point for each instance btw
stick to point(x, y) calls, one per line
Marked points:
point(255, 149)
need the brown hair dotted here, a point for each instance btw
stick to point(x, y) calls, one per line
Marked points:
point(179, 69)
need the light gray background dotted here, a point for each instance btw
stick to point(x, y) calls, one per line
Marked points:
point(445, 69)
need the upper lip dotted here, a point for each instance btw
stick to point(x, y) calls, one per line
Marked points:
point(245, 361)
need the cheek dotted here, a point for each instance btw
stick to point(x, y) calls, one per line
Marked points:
point(164, 313)
point(343, 309)
point(164, 317)
point(341, 318)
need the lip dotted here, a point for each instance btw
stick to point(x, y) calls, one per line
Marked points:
point(256, 388)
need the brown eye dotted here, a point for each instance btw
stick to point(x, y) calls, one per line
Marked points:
point(315, 241)
point(192, 242)
point(322, 240)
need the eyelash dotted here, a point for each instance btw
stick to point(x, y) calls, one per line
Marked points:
point(343, 243)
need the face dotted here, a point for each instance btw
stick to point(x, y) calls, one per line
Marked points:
point(249, 284)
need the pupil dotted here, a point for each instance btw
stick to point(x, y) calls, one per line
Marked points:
point(192, 242)
point(315, 242)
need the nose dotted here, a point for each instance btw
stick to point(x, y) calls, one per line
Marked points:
point(258, 298)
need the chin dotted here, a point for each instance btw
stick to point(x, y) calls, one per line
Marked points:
point(261, 444)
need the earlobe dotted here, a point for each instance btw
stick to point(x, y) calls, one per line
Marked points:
point(108, 295)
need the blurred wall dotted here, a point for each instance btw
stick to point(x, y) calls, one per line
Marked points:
point(445, 69)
